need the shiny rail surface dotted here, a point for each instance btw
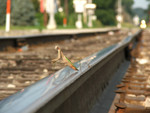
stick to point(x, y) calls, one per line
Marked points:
point(69, 91)
point(20, 69)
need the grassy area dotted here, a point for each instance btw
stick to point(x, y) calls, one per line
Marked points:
point(95, 25)
point(128, 25)
point(21, 27)
point(73, 27)
point(40, 28)
point(67, 27)
point(148, 25)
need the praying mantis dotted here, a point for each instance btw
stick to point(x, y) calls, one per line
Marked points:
point(67, 61)
point(64, 58)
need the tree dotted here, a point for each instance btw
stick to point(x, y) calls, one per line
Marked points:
point(2, 11)
point(36, 5)
point(127, 4)
point(23, 13)
point(105, 11)
point(140, 12)
point(69, 14)
point(147, 13)
point(106, 17)
point(69, 5)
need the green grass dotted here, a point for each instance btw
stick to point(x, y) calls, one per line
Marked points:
point(67, 27)
point(148, 25)
point(73, 27)
point(21, 27)
point(42, 27)
point(128, 25)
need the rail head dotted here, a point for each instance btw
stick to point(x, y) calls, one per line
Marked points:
point(34, 97)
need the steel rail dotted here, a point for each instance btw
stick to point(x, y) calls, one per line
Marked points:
point(69, 91)
point(13, 41)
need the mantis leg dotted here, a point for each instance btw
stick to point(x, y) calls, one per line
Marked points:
point(58, 57)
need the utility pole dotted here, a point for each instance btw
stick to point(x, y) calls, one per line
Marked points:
point(66, 8)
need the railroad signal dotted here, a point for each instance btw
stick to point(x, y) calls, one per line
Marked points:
point(64, 58)
point(8, 9)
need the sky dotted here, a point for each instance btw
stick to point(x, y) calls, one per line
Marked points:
point(140, 3)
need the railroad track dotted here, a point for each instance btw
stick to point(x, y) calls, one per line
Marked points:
point(21, 69)
point(133, 93)
point(15, 40)
point(66, 91)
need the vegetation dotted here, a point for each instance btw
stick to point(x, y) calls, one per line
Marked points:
point(127, 4)
point(23, 13)
point(143, 13)
point(2, 12)
point(105, 11)
point(36, 5)
point(70, 6)
point(59, 16)
point(148, 12)
point(140, 12)
point(27, 13)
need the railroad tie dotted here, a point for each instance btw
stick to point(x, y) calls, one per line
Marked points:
point(134, 89)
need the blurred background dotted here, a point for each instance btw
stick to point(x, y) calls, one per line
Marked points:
point(33, 14)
